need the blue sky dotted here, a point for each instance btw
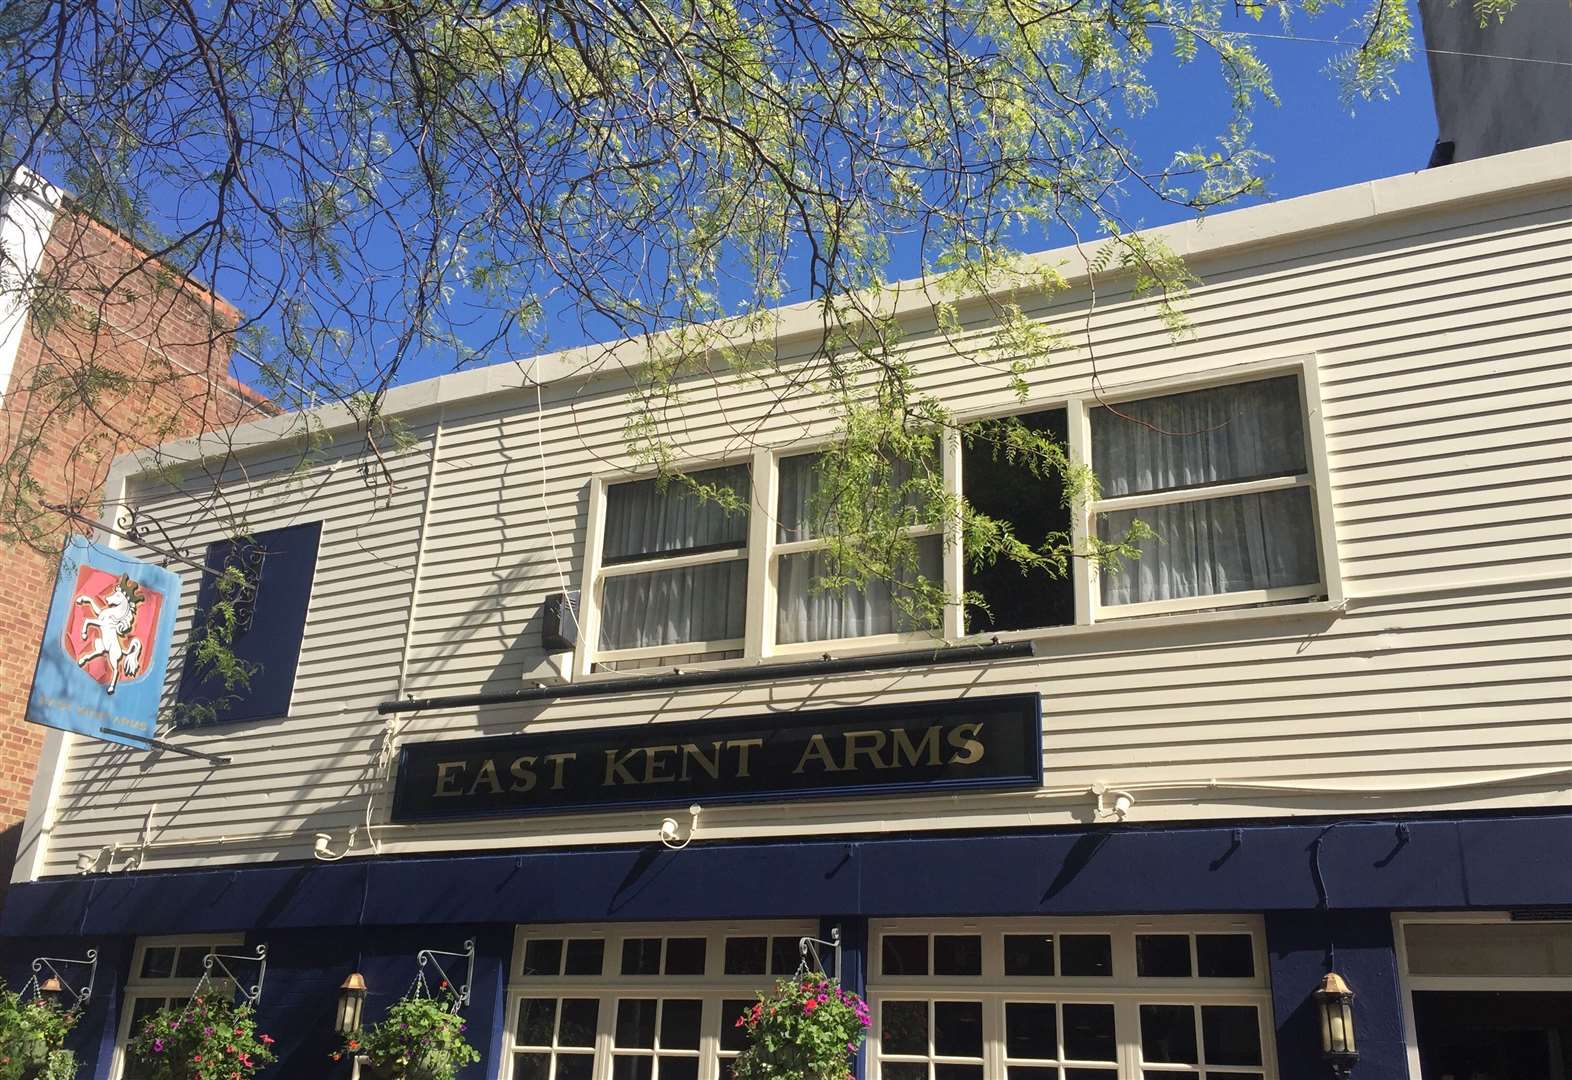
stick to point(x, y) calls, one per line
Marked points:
point(1315, 139)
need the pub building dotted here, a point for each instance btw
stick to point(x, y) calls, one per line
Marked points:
point(1285, 798)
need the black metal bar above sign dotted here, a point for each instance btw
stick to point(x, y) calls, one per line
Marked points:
point(984, 742)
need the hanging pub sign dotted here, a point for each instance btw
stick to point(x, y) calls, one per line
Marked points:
point(935, 746)
point(101, 666)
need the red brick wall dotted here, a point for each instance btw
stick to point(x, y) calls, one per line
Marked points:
point(170, 341)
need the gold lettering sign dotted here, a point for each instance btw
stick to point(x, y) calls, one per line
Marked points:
point(929, 747)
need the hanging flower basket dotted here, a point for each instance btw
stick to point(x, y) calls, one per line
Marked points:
point(208, 1038)
point(32, 1034)
point(421, 1038)
point(807, 1029)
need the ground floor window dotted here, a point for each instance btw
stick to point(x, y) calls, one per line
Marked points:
point(165, 972)
point(639, 1003)
point(1022, 999)
point(1487, 997)
point(1054, 999)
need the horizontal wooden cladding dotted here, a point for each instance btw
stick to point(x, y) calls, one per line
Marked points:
point(1444, 353)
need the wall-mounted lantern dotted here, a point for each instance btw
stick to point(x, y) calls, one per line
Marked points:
point(50, 990)
point(1335, 1001)
point(351, 1003)
point(52, 986)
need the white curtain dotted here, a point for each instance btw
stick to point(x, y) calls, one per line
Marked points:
point(707, 602)
point(1216, 436)
point(804, 613)
point(1210, 546)
point(644, 521)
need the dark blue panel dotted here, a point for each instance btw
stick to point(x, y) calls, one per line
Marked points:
point(284, 561)
point(854, 967)
point(93, 1038)
point(1499, 870)
point(1422, 863)
point(1296, 944)
point(238, 899)
point(759, 881)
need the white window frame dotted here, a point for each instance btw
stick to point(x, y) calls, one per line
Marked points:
point(774, 548)
point(712, 988)
point(139, 989)
point(597, 572)
point(1407, 983)
point(763, 549)
point(1123, 989)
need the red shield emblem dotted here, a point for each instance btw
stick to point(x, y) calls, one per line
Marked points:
point(112, 628)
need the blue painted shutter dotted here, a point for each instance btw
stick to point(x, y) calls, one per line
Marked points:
point(288, 562)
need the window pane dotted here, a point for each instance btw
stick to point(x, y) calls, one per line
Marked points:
point(804, 613)
point(1168, 1034)
point(679, 1025)
point(1224, 956)
point(685, 956)
point(903, 1070)
point(732, 1035)
point(957, 954)
point(158, 963)
point(957, 1072)
point(1219, 435)
point(1032, 1072)
point(537, 1021)
point(632, 1068)
point(1028, 954)
point(642, 520)
point(189, 964)
point(903, 1027)
point(1231, 1035)
point(801, 513)
point(531, 1066)
point(905, 954)
point(1524, 1035)
point(1085, 954)
point(543, 957)
point(785, 955)
point(746, 955)
point(1089, 1033)
point(641, 956)
point(636, 1023)
point(1489, 948)
point(586, 956)
point(679, 1068)
point(957, 1028)
point(1007, 488)
point(1165, 956)
point(1031, 1030)
point(668, 607)
point(1090, 1074)
point(580, 1017)
point(575, 1066)
point(141, 1009)
point(1215, 546)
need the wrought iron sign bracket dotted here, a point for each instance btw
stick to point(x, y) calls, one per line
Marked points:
point(79, 995)
point(254, 993)
point(811, 960)
point(461, 990)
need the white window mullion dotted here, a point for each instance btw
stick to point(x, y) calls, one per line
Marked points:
point(953, 626)
point(758, 626)
point(1175, 496)
point(1083, 571)
point(590, 597)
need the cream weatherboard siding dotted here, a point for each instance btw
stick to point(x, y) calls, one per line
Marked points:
point(1438, 311)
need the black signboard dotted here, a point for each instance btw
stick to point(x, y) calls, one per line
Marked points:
point(870, 750)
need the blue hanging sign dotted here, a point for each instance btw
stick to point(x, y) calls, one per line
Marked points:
point(106, 645)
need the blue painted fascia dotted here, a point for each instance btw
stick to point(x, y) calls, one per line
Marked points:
point(1431, 863)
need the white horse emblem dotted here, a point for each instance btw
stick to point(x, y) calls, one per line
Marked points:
point(110, 628)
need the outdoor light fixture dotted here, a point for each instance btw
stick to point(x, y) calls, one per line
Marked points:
point(351, 1002)
point(50, 990)
point(1336, 1003)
